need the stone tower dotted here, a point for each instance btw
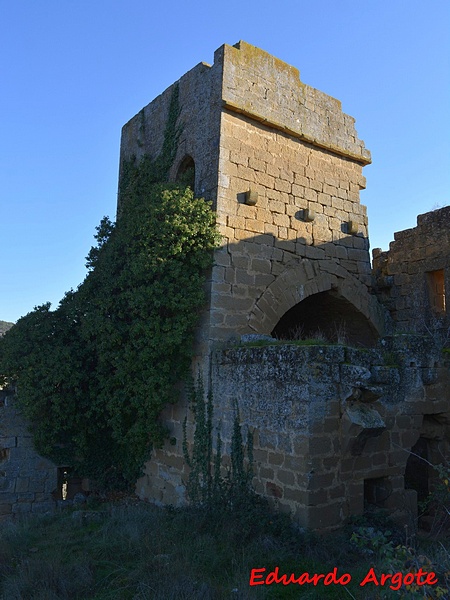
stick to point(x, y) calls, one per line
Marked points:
point(282, 165)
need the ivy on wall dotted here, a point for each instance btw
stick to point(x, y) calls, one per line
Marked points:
point(210, 483)
point(93, 375)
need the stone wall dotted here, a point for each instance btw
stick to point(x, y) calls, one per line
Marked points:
point(333, 425)
point(290, 172)
point(282, 165)
point(27, 481)
point(413, 277)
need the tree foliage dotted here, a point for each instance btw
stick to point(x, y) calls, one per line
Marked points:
point(93, 375)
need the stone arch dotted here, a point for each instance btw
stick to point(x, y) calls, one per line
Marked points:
point(185, 173)
point(326, 314)
point(309, 278)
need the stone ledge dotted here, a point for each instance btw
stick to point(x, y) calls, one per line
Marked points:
point(359, 158)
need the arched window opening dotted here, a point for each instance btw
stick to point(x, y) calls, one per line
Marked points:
point(329, 317)
point(186, 172)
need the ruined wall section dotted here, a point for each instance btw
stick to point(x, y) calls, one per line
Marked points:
point(261, 130)
point(27, 480)
point(251, 125)
point(300, 156)
point(299, 153)
point(200, 110)
point(404, 274)
point(333, 425)
point(199, 120)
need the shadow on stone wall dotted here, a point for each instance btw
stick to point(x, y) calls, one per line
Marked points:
point(27, 480)
point(288, 289)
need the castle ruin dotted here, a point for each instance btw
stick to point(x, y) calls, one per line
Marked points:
point(282, 165)
point(334, 424)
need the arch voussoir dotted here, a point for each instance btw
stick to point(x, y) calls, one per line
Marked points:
point(297, 283)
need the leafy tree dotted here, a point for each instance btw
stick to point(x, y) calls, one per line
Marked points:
point(93, 375)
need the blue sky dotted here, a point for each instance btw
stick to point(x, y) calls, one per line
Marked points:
point(72, 73)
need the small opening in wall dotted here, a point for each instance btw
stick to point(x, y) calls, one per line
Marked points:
point(4, 483)
point(68, 484)
point(186, 172)
point(416, 472)
point(61, 492)
point(436, 291)
point(4, 453)
point(376, 491)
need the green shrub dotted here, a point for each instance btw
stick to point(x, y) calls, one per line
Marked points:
point(93, 375)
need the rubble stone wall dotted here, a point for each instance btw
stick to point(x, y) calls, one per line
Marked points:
point(333, 425)
point(403, 273)
point(27, 481)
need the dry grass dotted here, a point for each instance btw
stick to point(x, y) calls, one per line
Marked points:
point(139, 552)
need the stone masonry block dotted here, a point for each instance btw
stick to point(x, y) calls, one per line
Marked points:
point(282, 186)
point(282, 220)
point(23, 507)
point(5, 509)
point(8, 442)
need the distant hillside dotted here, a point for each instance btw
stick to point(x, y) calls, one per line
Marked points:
point(4, 326)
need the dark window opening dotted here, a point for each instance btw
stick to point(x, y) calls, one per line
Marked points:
point(328, 317)
point(436, 291)
point(416, 473)
point(67, 484)
point(376, 491)
point(186, 172)
point(62, 481)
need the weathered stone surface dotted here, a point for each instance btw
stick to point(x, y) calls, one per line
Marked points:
point(297, 262)
point(413, 277)
point(24, 475)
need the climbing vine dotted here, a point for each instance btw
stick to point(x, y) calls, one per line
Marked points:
point(93, 375)
point(210, 483)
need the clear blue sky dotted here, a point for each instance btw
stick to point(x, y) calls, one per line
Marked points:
point(72, 73)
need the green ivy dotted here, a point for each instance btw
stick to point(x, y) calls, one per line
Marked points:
point(93, 375)
point(208, 484)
